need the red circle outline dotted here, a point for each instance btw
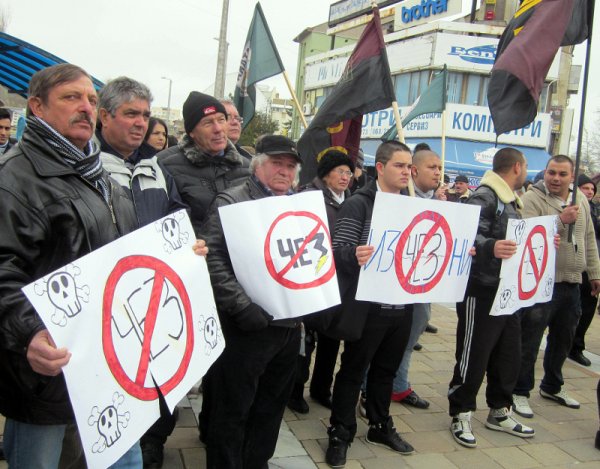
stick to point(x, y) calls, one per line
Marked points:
point(439, 222)
point(124, 265)
point(269, 260)
point(523, 295)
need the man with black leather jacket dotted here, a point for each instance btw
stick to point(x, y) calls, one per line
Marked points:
point(251, 381)
point(486, 343)
point(58, 204)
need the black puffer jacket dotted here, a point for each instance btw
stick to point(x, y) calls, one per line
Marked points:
point(493, 220)
point(49, 216)
point(198, 182)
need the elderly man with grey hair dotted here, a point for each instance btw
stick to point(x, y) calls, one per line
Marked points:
point(252, 379)
point(124, 110)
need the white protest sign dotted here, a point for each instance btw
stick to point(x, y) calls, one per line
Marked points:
point(421, 250)
point(280, 249)
point(135, 312)
point(527, 277)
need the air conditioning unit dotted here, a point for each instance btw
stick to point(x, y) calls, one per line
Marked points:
point(306, 109)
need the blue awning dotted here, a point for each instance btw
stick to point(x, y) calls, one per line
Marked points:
point(472, 159)
point(19, 60)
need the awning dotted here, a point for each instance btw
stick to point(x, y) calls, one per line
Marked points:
point(19, 60)
point(472, 159)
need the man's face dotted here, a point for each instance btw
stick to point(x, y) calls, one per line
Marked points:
point(426, 175)
point(278, 173)
point(234, 121)
point(338, 178)
point(461, 187)
point(4, 130)
point(394, 176)
point(210, 134)
point(70, 110)
point(588, 190)
point(125, 130)
point(557, 178)
point(522, 175)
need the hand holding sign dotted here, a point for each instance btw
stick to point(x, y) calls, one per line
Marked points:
point(505, 248)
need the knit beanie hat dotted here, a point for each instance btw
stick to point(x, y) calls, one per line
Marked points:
point(198, 105)
point(585, 179)
point(461, 178)
point(331, 160)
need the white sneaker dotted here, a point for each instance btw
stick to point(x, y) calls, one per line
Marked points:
point(562, 398)
point(521, 406)
point(503, 421)
point(460, 427)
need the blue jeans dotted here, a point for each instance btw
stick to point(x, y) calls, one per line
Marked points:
point(420, 317)
point(561, 315)
point(29, 446)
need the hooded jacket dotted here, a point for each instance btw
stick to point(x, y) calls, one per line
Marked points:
point(572, 258)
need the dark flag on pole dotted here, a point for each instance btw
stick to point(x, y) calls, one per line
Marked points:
point(260, 60)
point(365, 86)
point(525, 53)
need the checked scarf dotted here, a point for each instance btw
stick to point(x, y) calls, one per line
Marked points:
point(87, 162)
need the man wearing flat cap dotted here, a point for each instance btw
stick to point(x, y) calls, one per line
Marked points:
point(251, 381)
point(205, 162)
point(461, 189)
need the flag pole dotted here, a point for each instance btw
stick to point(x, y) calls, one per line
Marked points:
point(443, 156)
point(295, 99)
point(398, 119)
point(586, 73)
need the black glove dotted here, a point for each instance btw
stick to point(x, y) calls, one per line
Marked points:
point(252, 318)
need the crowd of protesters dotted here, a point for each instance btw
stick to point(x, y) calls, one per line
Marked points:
point(92, 167)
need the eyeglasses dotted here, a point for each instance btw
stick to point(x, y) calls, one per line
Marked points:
point(341, 172)
point(237, 119)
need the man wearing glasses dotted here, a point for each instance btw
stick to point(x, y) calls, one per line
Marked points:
point(235, 126)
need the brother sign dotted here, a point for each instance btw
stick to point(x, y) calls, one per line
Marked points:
point(424, 10)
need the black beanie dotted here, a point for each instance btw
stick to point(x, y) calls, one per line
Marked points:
point(198, 105)
point(584, 179)
point(332, 159)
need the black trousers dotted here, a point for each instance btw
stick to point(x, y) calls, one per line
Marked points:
point(325, 359)
point(484, 344)
point(249, 386)
point(159, 432)
point(381, 346)
point(588, 309)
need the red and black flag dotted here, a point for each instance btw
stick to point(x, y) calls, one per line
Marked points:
point(365, 86)
point(525, 53)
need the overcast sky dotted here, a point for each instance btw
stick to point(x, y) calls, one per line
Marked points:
point(149, 39)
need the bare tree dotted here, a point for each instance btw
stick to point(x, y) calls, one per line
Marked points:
point(4, 19)
point(590, 147)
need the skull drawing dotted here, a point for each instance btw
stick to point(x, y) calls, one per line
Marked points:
point(549, 287)
point(519, 230)
point(505, 298)
point(108, 423)
point(171, 232)
point(62, 292)
point(211, 332)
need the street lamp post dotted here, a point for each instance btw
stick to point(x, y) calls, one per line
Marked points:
point(169, 99)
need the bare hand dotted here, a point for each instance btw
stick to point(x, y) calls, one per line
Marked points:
point(44, 357)
point(569, 214)
point(200, 248)
point(595, 287)
point(363, 254)
point(504, 248)
point(472, 251)
point(557, 241)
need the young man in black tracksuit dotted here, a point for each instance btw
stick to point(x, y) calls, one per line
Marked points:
point(486, 343)
point(377, 342)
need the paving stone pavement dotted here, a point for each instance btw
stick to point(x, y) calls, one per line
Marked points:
point(564, 437)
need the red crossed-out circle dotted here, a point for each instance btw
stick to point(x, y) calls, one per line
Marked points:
point(279, 277)
point(538, 272)
point(439, 223)
point(162, 272)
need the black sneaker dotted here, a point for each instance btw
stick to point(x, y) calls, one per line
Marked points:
point(335, 456)
point(385, 434)
point(417, 347)
point(431, 329)
point(152, 455)
point(580, 358)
